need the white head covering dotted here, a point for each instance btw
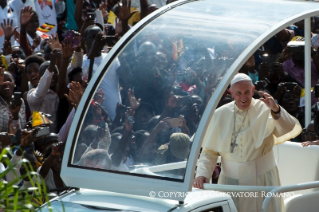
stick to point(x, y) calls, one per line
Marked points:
point(240, 77)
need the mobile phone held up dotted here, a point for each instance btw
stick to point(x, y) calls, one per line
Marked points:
point(71, 34)
point(108, 40)
point(175, 122)
point(90, 15)
point(290, 85)
point(183, 100)
point(123, 110)
point(17, 98)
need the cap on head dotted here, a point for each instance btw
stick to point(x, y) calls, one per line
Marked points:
point(240, 77)
point(53, 136)
point(179, 145)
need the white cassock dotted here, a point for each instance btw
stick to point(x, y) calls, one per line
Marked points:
point(252, 162)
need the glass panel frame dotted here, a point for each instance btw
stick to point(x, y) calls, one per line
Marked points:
point(149, 184)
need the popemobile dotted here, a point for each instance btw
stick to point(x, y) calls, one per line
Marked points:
point(224, 33)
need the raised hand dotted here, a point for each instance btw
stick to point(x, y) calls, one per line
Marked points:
point(5, 140)
point(125, 12)
point(285, 54)
point(55, 56)
point(67, 47)
point(36, 42)
point(297, 90)
point(7, 47)
point(184, 127)
point(118, 28)
point(281, 88)
point(55, 149)
point(103, 8)
point(133, 102)
point(12, 129)
point(129, 120)
point(14, 109)
point(54, 42)
point(98, 97)
point(172, 101)
point(7, 28)
point(118, 109)
point(269, 101)
point(27, 137)
point(308, 143)
point(75, 94)
point(26, 15)
point(16, 36)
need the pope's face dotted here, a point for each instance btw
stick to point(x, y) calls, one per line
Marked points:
point(242, 92)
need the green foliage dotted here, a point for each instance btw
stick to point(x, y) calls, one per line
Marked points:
point(13, 198)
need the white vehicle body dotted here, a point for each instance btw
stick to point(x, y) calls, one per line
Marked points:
point(91, 200)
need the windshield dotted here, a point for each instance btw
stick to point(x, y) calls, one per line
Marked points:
point(148, 105)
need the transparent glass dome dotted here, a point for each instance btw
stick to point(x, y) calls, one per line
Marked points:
point(178, 61)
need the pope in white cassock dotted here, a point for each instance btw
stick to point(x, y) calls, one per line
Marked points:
point(243, 132)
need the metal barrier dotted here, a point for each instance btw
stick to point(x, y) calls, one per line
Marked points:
point(282, 189)
point(271, 189)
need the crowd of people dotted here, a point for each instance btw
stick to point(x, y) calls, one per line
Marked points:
point(147, 106)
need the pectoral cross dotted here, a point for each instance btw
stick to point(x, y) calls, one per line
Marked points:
point(233, 145)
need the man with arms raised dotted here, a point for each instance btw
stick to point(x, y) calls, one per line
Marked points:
point(247, 155)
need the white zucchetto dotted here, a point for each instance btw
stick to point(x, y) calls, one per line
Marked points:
point(240, 77)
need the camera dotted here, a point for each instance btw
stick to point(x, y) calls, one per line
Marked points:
point(108, 40)
point(122, 110)
point(183, 100)
point(177, 90)
point(262, 84)
point(290, 85)
point(91, 15)
point(42, 131)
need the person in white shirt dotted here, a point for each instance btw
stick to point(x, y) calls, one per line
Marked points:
point(44, 97)
point(29, 21)
point(32, 67)
point(110, 83)
point(10, 10)
point(7, 110)
point(51, 168)
point(5, 140)
point(47, 14)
